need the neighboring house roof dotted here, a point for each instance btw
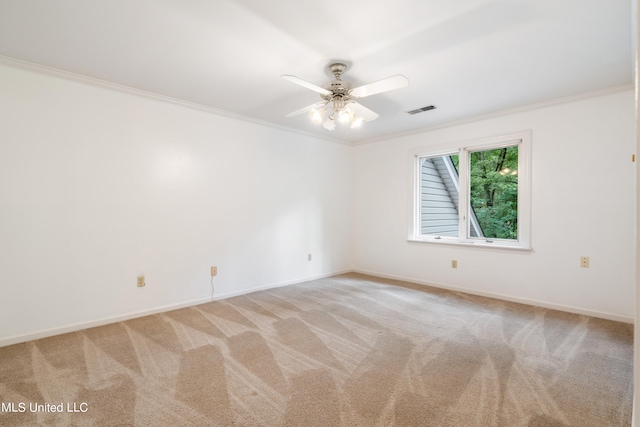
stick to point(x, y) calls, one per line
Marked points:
point(439, 199)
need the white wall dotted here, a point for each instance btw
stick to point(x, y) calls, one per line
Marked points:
point(98, 186)
point(583, 203)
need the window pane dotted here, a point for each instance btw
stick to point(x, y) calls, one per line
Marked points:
point(493, 179)
point(439, 195)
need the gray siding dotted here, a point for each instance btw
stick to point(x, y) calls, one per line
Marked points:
point(438, 211)
point(447, 179)
point(439, 199)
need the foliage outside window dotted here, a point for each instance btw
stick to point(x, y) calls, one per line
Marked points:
point(488, 178)
point(494, 191)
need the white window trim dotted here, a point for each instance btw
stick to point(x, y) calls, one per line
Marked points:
point(523, 138)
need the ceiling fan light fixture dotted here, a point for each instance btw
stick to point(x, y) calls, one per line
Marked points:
point(329, 123)
point(356, 122)
point(316, 116)
point(328, 117)
point(345, 115)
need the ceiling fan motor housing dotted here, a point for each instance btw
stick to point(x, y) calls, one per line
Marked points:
point(337, 87)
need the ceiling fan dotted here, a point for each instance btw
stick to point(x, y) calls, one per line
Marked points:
point(339, 98)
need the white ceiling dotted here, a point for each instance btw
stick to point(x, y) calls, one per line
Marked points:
point(467, 57)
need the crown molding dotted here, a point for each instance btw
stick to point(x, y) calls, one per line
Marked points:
point(505, 112)
point(80, 78)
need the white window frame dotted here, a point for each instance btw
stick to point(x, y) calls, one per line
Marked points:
point(523, 140)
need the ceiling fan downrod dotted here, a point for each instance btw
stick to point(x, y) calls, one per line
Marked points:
point(337, 69)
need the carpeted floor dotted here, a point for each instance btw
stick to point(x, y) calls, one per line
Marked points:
point(350, 350)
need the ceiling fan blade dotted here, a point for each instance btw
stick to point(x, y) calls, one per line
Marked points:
point(306, 109)
point(390, 83)
point(362, 111)
point(304, 83)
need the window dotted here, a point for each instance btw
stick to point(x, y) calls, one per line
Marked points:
point(475, 194)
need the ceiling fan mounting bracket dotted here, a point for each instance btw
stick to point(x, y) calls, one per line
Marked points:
point(337, 69)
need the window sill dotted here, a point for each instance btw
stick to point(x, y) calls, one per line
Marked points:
point(478, 245)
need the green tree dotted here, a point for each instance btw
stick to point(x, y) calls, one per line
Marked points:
point(494, 191)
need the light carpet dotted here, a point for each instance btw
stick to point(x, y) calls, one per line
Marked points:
point(350, 350)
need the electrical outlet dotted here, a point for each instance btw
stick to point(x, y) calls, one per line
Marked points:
point(454, 263)
point(308, 257)
point(584, 261)
point(141, 282)
point(214, 271)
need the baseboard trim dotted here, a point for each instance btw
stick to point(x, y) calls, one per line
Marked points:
point(16, 339)
point(527, 301)
point(73, 327)
point(278, 285)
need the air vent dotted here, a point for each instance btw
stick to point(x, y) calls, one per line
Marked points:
point(423, 109)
